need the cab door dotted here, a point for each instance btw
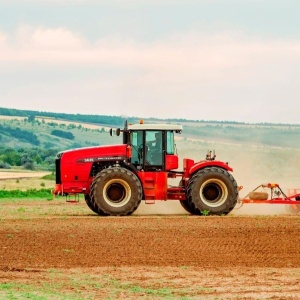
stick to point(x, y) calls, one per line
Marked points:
point(148, 149)
point(154, 149)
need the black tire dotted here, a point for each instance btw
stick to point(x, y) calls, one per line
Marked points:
point(212, 191)
point(116, 191)
point(188, 207)
point(92, 206)
point(186, 204)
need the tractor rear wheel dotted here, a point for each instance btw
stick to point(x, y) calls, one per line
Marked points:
point(116, 191)
point(186, 204)
point(92, 206)
point(212, 191)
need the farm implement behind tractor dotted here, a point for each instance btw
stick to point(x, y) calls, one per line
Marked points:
point(271, 193)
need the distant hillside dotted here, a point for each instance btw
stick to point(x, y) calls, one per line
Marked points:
point(19, 132)
point(119, 121)
point(33, 142)
point(23, 128)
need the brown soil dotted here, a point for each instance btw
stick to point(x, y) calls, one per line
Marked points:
point(214, 257)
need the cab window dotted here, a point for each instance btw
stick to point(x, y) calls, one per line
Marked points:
point(136, 139)
point(170, 142)
point(154, 155)
point(147, 148)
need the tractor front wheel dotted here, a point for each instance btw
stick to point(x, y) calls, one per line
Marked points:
point(212, 191)
point(116, 191)
point(188, 207)
point(92, 206)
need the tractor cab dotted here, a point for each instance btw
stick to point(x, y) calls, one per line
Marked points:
point(153, 145)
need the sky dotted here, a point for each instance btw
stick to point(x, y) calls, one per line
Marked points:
point(222, 60)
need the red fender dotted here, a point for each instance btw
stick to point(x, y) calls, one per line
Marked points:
point(203, 164)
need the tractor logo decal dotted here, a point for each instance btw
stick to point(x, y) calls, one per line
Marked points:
point(95, 159)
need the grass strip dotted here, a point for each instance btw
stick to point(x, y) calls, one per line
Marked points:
point(29, 193)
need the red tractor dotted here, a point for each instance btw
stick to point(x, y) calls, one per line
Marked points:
point(114, 179)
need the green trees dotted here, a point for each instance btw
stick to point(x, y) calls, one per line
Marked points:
point(63, 134)
point(31, 117)
point(29, 158)
point(22, 135)
point(95, 119)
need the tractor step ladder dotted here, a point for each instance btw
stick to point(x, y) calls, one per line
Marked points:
point(149, 189)
point(72, 198)
point(150, 201)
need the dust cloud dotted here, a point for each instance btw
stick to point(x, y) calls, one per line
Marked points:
point(263, 165)
point(161, 207)
point(170, 207)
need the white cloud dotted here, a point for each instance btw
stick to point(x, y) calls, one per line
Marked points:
point(55, 39)
point(181, 52)
point(191, 75)
point(4, 45)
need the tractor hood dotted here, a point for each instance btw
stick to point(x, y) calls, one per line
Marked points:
point(93, 154)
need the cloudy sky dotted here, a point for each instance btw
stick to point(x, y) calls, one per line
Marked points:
point(234, 60)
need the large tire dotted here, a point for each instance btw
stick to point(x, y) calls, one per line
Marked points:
point(212, 191)
point(188, 207)
point(116, 191)
point(185, 203)
point(92, 206)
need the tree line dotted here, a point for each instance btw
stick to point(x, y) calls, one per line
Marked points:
point(28, 158)
point(96, 119)
point(63, 134)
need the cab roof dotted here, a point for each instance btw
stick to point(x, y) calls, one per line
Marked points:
point(170, 127)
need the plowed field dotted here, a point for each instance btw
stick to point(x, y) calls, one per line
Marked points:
point(57, 251)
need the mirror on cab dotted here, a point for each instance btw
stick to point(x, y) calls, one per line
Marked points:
point(118, 132)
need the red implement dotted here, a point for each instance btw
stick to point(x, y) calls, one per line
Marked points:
point(271, 193)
